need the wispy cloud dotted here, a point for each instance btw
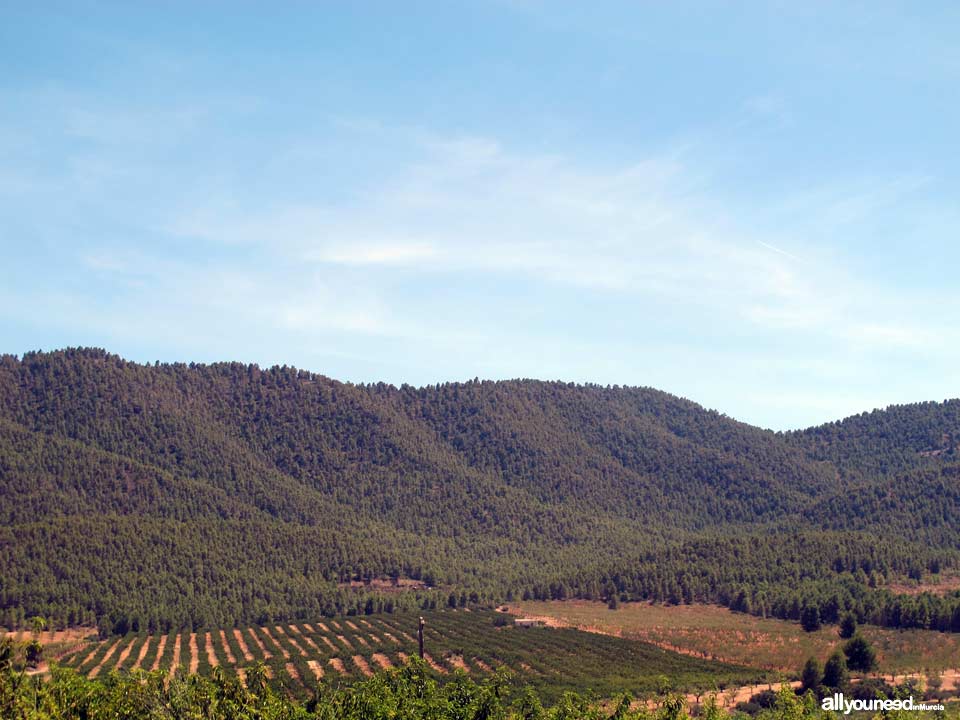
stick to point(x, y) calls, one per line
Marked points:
point(651, 231)
point(775, 249)
point(471, 257)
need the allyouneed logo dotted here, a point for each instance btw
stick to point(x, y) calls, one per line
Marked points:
point(838, 703)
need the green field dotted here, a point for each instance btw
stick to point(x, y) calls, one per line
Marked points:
point(336, 651)
point(717, 633)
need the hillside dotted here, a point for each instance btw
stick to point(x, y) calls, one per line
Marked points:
point(201, 495)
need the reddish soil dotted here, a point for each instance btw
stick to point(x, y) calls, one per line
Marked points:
point(231, 660)
point(160, 648)
point(292, 672)
point(382, 660)
point(433, 663)
point(53, 637)
point(482, 665)
point(176, 655)
point(304, 638)
point(211, 653)
point(384, 585)
point(940, 586)
point(458, 662)
point(281, 648)
point(143, 652)
point(122, 658)
point(292, 641)
point(362, 665)
point(194, 654)
point(110, 652)
point(259, 643)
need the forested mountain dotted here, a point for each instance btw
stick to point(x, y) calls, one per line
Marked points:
point(902, 437)
point(169, 495)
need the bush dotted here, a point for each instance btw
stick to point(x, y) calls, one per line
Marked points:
point(765, 699)
point(871, 688)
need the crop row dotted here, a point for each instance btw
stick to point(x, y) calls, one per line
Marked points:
point(299, 655)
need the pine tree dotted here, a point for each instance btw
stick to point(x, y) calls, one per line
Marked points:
point(812, 675)
point(860, 655)
point(810, 618)
point(848, 626)
point(835, 673)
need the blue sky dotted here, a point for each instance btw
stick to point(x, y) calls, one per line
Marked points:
point(751, 205)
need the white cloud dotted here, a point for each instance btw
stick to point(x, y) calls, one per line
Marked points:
point(374, 253)
point(652, 230)
point(692, 292)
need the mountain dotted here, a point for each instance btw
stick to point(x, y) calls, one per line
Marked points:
point(897, 439)
point(171, 495)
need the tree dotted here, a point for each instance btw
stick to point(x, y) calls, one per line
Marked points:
point(812, 675)
point(34, 653)
point(835, 673)
point(810, 619)
point(860, 654)
point(37, 625)
point(848, 626)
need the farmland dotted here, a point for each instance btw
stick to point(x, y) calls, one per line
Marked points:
point(298, 656)
point(717, 633)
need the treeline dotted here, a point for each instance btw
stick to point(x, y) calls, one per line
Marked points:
point(172, 496)
point(829, 601)
point(160, 575)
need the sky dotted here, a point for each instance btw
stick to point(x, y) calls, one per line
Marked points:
point(751, 205)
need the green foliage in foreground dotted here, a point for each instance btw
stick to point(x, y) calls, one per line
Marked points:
point(408, 693)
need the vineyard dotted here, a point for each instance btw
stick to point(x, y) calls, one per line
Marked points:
point(300, 656)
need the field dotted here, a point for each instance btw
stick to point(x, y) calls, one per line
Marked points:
point(717, 633)
point(940, 584)
point(300, 655)
point(56, 643)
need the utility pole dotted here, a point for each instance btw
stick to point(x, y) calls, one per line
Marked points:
point(420, 635)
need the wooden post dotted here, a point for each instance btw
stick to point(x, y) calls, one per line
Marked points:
point(420, 636)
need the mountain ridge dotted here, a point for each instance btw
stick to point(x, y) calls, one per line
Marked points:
point(488, 489)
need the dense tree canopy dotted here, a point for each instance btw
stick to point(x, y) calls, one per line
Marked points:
point(172, 495)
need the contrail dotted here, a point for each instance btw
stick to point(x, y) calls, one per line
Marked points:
point(778, 250)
